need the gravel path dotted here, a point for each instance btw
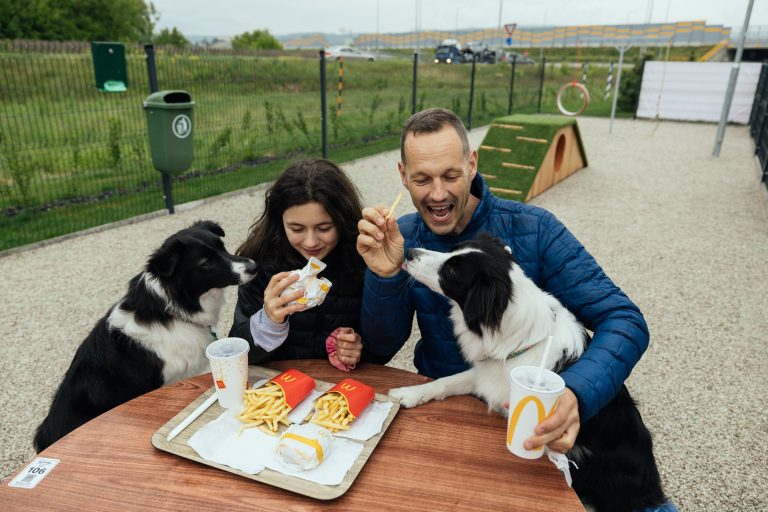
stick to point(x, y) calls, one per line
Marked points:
point(683, 233)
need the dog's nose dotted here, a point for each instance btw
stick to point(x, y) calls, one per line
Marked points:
point(412, 254)
point(250, 267)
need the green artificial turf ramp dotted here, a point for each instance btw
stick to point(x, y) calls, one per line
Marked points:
point(514, 150)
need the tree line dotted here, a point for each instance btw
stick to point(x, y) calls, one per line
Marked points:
point(129, 21)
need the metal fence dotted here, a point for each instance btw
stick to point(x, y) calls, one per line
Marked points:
point(758, 121)
point(72, 157)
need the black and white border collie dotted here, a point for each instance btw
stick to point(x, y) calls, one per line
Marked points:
point(155, 335)
point(502, 320)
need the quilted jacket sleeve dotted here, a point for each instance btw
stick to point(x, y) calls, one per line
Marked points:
point(249, 301)
point(387, 315)
point(620, 336)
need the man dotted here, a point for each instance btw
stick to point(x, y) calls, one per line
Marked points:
point(454, 204)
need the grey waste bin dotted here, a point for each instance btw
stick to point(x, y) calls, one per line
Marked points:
point(171, 130)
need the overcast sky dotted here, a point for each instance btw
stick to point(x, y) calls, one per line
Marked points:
point(232, 17)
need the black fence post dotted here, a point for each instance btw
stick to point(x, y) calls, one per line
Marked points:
point(471, 94)
point(414, 88)
point(149, 51)
point(324, 122)
point(512, 84)
point(541, 83)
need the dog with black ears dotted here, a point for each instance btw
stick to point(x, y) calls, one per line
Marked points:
point(155, 335)
point(502, 320)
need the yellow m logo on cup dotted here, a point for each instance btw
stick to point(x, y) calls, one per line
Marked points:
point(515, 416)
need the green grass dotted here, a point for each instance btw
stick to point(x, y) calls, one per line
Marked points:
point(72, 157)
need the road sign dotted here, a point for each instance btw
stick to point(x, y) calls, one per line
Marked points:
point(510, 28)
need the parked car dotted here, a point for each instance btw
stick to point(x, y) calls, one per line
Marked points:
point(479, 52)
point(519, 58)
point(448, 54)
point(348, 52)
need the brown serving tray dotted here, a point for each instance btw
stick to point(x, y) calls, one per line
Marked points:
point(180, 447)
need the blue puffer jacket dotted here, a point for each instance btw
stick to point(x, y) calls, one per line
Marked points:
point(548, 254)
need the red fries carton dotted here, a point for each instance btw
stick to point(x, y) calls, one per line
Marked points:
point(296, 386)
point(358, 395)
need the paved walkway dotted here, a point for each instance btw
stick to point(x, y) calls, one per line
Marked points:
point(684, 234)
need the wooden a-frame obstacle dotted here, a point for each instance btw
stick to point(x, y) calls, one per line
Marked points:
point(523, 155)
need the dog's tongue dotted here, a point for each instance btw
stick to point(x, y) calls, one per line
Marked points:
point(404, 266)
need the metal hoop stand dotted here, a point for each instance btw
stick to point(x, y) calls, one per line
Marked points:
point(584, 96)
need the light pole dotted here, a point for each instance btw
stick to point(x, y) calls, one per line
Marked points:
point(498, 29)
point(456, 22)
point(731, 84)
point(648, 14)
point(378, 34)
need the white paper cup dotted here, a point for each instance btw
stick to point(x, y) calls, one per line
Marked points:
point(529, 404)
point(229, 367)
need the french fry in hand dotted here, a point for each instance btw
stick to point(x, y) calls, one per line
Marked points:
point(265, 408)
point(332, 412)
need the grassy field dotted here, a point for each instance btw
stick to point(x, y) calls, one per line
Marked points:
point(72, 157)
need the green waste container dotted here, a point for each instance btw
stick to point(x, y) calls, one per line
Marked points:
point(170, 126)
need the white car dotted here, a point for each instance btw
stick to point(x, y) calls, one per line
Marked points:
point(334, 52)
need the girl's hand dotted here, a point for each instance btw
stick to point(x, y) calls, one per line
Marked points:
point(276, 306)
point(349, 346)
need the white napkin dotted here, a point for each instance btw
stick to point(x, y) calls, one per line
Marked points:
point(218, 442)
point(253, 450)
point(369, 423)
point(562, 463)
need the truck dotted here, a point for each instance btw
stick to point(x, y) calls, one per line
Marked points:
point(449, 52)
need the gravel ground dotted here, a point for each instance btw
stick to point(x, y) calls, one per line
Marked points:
point(684, 234)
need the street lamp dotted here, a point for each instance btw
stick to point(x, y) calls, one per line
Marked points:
point(456, 29)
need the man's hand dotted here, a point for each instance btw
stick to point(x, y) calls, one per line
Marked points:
point(380, 242)
point(559, 431)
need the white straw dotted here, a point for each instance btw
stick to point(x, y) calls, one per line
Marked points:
point(192, 417)
point(543, 362)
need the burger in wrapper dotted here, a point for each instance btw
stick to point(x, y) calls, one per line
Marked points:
point(304, 447)
point(315, 288)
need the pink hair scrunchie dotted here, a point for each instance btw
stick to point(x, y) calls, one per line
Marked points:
point(330, 347)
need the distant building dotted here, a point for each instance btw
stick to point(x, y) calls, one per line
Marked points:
point(682, 33)
point(221, 43)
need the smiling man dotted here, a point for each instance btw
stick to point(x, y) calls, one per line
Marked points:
point(454, 204)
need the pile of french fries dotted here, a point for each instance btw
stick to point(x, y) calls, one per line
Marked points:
point(265, 408)
point(332, 412)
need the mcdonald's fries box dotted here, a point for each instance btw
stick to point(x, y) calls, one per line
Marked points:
point(311, 437)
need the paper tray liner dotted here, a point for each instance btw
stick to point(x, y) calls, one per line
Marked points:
point(180, 448)
point(358, 395)
point(296, 386)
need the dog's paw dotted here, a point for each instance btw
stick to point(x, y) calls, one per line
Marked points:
point(408, 397)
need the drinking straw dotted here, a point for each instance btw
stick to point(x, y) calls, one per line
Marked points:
point(543, 361)
point(392, 208)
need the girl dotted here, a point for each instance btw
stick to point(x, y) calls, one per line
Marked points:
point(311, 210)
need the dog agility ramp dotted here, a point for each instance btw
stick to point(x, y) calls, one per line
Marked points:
point(523, 155)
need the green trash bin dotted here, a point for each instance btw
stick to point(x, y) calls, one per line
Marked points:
point(170, 127)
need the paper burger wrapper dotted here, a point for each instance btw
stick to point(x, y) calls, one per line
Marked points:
point(358, 395)
point(315, 288)
point(304, 447)
point(296, 386)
